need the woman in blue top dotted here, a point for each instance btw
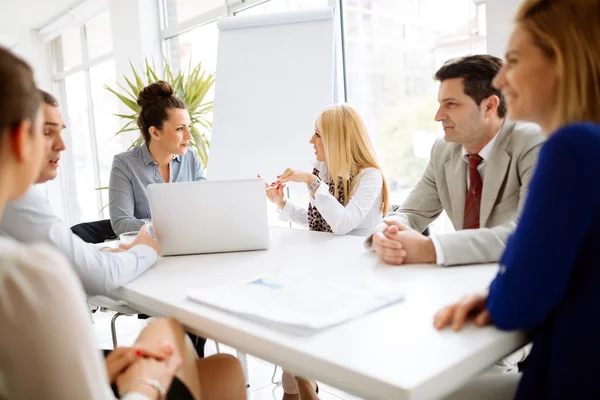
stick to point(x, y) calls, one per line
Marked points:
point(549, 278)
point(164, 157)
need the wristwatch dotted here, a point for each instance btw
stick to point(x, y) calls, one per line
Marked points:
point(314, 185)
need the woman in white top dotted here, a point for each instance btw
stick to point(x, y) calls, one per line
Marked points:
point(47, 348)
point(348, 192)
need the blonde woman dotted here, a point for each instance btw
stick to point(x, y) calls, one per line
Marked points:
point(348, 194)
point(348, 191)
point(548, 280)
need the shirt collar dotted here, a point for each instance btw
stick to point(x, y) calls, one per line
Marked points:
point(321, 166)
point(486, 152)
point(147, 157)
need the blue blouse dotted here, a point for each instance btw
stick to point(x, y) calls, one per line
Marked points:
point(131, 173)
point(549, 276)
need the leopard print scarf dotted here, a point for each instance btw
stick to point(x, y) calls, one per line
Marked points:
point(316, 222)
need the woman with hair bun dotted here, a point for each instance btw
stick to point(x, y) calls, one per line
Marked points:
point(165, 124)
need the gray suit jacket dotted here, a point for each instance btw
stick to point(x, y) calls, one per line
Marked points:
point(443, 186)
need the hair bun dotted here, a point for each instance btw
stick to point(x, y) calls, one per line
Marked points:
point(153, 92)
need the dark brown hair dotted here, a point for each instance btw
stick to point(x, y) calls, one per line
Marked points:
point(48, 98)
point(154, 100)
point(478, 72)
point(19, 98)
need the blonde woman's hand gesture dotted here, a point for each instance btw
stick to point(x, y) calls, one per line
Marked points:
point(275, 193)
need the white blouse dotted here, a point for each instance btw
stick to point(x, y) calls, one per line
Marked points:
point(359, 217)
point(47, 346)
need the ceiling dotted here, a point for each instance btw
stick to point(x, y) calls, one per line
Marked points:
point(31, 14)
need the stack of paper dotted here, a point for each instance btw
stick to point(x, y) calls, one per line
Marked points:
point(294, 302)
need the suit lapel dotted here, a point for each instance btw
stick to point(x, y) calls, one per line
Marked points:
point(495, 172)
point(456, 178)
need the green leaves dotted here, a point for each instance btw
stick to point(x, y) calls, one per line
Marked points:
point(191, 87)
point(125, 99)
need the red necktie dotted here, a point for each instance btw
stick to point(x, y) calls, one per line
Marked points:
point(473, 203)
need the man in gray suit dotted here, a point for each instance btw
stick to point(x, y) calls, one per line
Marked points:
point(482, 151)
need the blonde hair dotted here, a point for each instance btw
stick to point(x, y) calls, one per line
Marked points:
point(348, 149)
point(568, 31)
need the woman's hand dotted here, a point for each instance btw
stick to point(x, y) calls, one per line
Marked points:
point(148, 368)
point(472, 306)
point(122, 357)
point(275, 193)
point(143, 237)
point(291, 175)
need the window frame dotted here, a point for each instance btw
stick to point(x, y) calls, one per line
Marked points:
point(59, 83)
point(228, 9)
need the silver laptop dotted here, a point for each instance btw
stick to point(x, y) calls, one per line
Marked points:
point(209, 217)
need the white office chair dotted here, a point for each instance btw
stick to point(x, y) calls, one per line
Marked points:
point(119, 306)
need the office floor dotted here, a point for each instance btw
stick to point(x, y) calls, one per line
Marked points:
point(260, 371)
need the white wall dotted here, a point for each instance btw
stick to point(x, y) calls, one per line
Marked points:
point(31, 48)
point(499, 21)
point(136, 27)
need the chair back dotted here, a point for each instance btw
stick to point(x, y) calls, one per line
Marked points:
point(95, 232)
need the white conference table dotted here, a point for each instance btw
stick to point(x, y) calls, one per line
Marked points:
point(394, 353)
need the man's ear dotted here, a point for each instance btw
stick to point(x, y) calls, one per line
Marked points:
point(491, 105)
point(20, 137)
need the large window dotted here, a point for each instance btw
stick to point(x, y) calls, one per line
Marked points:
point(83, 64)
point(393, 48)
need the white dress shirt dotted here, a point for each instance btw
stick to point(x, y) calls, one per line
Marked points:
point(485, 154)
point(47, 346)
point(30, 219)
point(359, 217)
